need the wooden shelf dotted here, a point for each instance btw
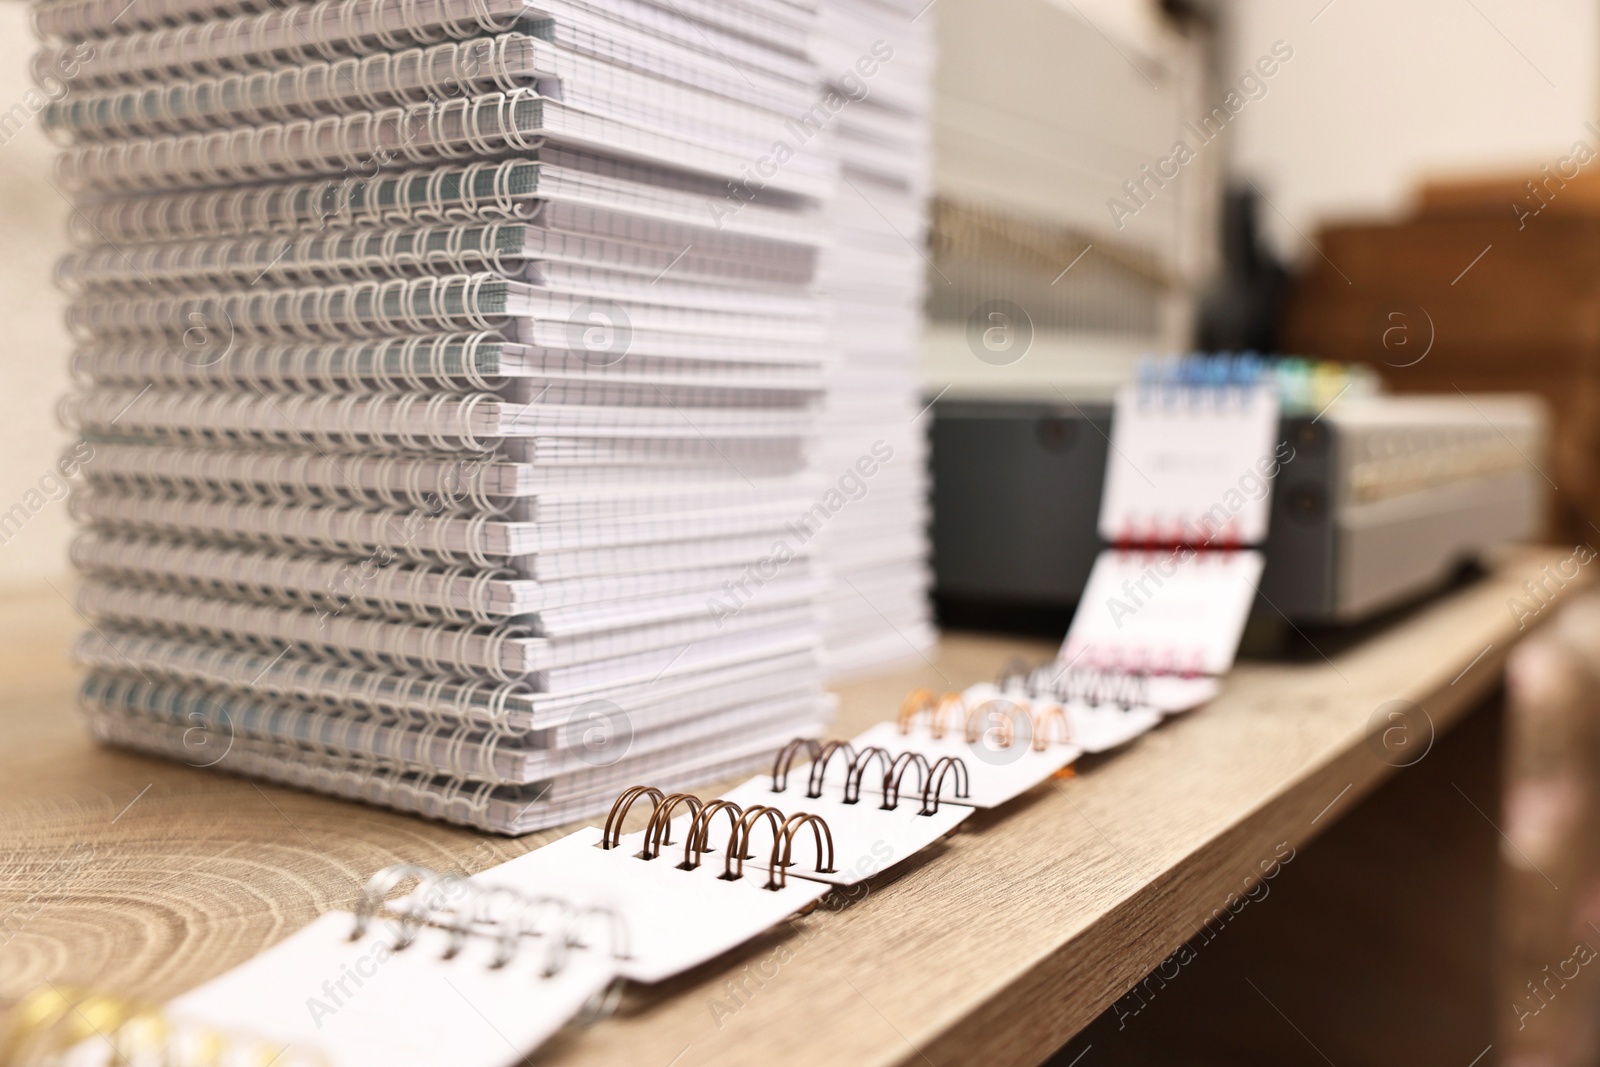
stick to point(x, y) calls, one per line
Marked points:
point(144, 877)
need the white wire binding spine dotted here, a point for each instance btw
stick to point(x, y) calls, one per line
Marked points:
point(470, 909)
point(332, 29)
point(371, 308)
point(450, 799)
point(455, 362)
point(438, 699)
point(441, 485)
point(371, 586)
point(1122, 684)
point(409, 421)
point(672, 97)
point(435, 649)
point(486, 125)
point(75, 20)
point(468, 751)
point(302, 259)
point(289, 525)
point(621, 203)
point(288, 93)
point(327, 30)
point(487, 189)
point(320, 256)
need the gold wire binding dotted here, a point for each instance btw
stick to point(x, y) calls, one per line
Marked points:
point(952, 705)
point(1054, 714)
point(985, 713)
point(49, 1022)
point(918, 701)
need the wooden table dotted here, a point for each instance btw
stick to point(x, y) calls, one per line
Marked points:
point(138, 876)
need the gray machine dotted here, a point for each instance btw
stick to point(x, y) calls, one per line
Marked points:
point(1384, 500)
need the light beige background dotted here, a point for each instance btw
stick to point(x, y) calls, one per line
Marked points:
point(33, 344)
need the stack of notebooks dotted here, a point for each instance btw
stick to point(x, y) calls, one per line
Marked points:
point(877, 61)
point(449, 368)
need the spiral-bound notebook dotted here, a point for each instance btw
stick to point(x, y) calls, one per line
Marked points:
point(450, 369)
point(455, 974)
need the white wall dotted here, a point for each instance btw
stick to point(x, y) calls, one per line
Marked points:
point(1382, 93)
point(33, 343)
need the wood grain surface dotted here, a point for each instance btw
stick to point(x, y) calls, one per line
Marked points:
point(139, 876)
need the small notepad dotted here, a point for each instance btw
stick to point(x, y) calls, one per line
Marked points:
point(1166, 612)
point(676, 919)
point(363, 1003)
point(1190, 464)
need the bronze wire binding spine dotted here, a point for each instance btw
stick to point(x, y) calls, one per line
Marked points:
point(1005, 713)
point(697, 839)
point(930, 780)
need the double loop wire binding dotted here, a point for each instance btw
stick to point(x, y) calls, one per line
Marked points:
point(409, 697)
point(435, 485)
point(287, 93)
point(369, 308)
point(215, 719)
point(1115, 685)
point(302, 34)
point(930, 779)
point(311, 258)
point(742, 823)
point(486, 125)
point(487, 189)
point(394, 589)
point(997, 720)
point(386, 535)
point(412, 421)
point(468, 909)
point(378, 644)
point(450, 798)
point(456, 362)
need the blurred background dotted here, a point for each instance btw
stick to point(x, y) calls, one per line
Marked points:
point(1045, 109)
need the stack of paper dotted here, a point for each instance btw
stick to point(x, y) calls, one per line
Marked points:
point(449, 368)
point(877, 59)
